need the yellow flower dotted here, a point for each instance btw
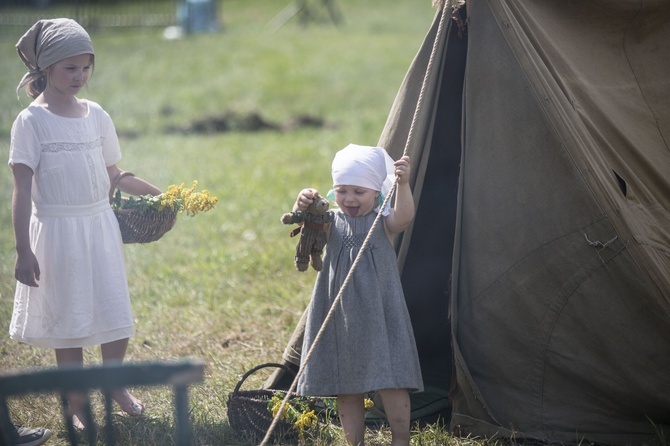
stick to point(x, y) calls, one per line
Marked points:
point(174, 199)
point(187, 200)
point(275, 404)
point(306, 420)
point(296, 412)
point(368, 403)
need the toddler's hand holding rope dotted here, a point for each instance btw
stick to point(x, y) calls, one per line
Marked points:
point(402, 170)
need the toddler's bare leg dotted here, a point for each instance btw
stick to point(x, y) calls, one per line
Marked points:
point(351, 410)
point(113, 353)
point(397, 408)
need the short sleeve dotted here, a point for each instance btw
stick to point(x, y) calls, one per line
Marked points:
point(111, 149)
point(24, 147)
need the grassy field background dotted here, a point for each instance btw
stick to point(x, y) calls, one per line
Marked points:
point(221, 286)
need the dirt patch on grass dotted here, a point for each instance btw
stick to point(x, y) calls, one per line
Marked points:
point(250, 122)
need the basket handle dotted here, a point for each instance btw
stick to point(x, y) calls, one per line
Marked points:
point(115, 182)
point(259, 367)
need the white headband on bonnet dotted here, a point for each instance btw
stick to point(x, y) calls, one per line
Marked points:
point(364, 166)
point(49, 41)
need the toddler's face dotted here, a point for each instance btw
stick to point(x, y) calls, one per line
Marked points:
point(355, 201)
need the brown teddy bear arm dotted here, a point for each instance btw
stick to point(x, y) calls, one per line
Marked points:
point(293, 217)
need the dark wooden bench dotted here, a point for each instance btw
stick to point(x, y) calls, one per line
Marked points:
point(177, 374)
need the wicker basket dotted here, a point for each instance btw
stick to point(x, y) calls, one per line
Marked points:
point(248, 411)
point(141, 226)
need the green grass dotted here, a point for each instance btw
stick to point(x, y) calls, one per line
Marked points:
point(222, 286)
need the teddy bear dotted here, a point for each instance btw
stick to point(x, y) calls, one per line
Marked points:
point(312, 232)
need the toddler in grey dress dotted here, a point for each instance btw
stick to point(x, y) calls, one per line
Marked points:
point(368, 344)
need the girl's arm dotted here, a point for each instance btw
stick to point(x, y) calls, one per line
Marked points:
point(402, 213)
point(26, 269)
point(131, 184)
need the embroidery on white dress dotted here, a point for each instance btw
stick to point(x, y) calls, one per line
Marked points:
point(54, 147)
point(95, 184)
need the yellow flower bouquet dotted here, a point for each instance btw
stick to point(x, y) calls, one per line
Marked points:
point(298, 412)
point(147, 218)
point(301, 412)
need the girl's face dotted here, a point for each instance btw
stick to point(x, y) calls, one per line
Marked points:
point(355, 201)
point(68, 76)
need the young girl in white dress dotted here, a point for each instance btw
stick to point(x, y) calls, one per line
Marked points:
point(72, 290)
point(368, 345)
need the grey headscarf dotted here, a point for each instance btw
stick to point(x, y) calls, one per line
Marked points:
point(49, 41)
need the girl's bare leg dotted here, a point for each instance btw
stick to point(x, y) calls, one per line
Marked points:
point(351, 410)
point(113, 353)
point(73, 357)
point(397, 408)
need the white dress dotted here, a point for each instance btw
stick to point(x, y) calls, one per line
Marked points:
point(82, 298)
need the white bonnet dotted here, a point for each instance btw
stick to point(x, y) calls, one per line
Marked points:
point(364, 166)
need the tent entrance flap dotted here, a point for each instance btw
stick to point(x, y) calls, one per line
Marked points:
point(427, 265)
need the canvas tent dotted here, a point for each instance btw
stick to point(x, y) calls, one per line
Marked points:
point(537, 271)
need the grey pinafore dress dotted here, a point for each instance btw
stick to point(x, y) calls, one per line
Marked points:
point(369, 343)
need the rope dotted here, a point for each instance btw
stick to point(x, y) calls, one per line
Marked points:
point(410, 134)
